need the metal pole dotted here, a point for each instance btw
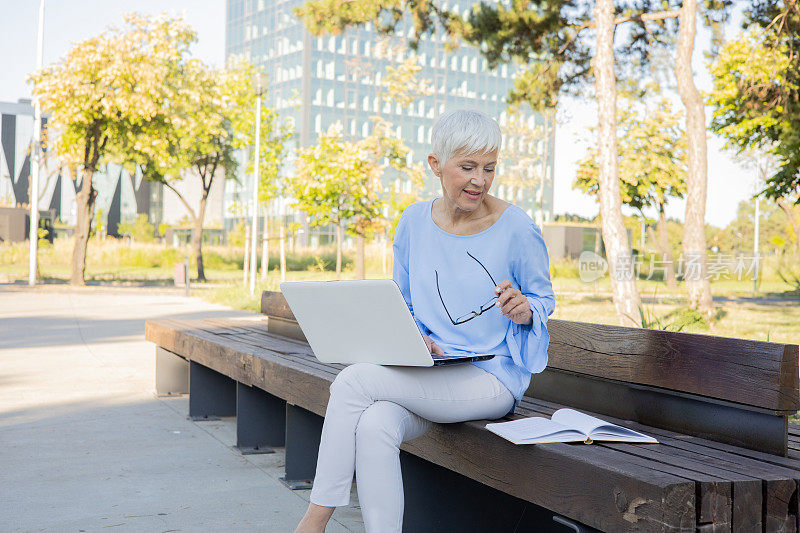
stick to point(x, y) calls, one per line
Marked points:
point(265, 248)
point(282, 249)
point(246, 254)
point(256, 163)
point(33, 236)
point(186, 274)
point(755, 249)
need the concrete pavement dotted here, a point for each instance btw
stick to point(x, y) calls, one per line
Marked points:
point(85, 445)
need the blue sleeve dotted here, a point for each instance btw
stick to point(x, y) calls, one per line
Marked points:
point(400, 249)
point(531, 271)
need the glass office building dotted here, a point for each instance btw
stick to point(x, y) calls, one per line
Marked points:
point(318, 81)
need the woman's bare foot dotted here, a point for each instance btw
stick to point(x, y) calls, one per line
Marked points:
point(315, 519)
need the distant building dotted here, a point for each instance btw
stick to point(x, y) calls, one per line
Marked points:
point(568, 241)
point(16, 132)
point(120, 195)
point(317, 81)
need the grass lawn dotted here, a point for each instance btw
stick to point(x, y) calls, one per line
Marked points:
point(772, 314)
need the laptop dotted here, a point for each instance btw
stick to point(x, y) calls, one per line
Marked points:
point(362, 321)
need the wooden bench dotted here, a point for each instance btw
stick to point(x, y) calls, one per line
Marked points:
point(727, 459)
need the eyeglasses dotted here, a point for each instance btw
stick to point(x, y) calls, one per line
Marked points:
point(472, 314)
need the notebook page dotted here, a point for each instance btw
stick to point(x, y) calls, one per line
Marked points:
point(530, 428)
point(619, 433)
point(597, 428)
point(575, 419)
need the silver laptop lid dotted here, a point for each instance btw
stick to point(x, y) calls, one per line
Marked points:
point(361, 321)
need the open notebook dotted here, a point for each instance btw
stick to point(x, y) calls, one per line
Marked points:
point(566, 425)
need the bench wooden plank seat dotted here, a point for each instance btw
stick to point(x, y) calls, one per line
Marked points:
point(687, 482)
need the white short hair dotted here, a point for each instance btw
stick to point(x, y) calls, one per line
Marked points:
point(464, 130)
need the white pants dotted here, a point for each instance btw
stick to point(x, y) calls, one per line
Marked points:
point(373, 409)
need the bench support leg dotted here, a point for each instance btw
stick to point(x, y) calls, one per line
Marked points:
point(172, 373)
point(211, 394)
point(465, 505)
point(260, 420)
point(303, 432)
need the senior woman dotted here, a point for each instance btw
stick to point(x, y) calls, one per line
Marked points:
point(473, 270)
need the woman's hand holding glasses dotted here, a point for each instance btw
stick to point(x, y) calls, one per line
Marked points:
point(513, 304)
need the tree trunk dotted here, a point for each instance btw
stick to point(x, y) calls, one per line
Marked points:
point(666, 253)
point(84, 201)
point(197, 238)
point(698, 285)
point(338, 250)
point(787, 209)
point(360, 274)
point(623, 285)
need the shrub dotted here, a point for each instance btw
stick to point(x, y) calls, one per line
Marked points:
point(565, 268)
point(141, 230)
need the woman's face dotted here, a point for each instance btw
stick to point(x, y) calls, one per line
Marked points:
point(466, 179)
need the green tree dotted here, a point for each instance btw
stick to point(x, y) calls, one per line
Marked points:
point(339, 182)
point(652, 165)
point(546, 38)
point(196, 134)
point(333, 183)
point(775, 234)
point(100, 90)
point(756, 97)
point(780, 99)
point(384, 151)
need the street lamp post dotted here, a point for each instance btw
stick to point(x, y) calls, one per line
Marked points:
point(757, 219)
point(36, 151)
point(259, 82)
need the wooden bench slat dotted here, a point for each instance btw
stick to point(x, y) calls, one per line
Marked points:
point(757, 373)
point(231, 359)
point(666, 497)
point(716, 487)
point(780, 484)
point(695, 484)
point(749, 372)
point(625, 495)
point(300, 355)
point(733, 453)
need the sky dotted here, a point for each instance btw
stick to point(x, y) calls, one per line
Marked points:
point(67, 21)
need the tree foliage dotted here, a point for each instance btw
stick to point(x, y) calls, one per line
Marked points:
point(756, 92)
point(652, 156)
point(101, 90)
point(551, 39)
point(334, 182)
point(108, 85)
point(195, 136)
point(337, 181)
point(523, 158)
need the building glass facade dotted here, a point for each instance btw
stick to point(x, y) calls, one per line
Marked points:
point(317, 81)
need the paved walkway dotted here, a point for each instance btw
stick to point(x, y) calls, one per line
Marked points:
point(85, 445)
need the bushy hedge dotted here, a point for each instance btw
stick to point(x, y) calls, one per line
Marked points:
point(112, 252)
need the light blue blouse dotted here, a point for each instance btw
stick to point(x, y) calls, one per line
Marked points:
point(448, 282)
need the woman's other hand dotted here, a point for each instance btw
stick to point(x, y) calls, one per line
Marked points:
point(432, 346)
point(513, 304)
